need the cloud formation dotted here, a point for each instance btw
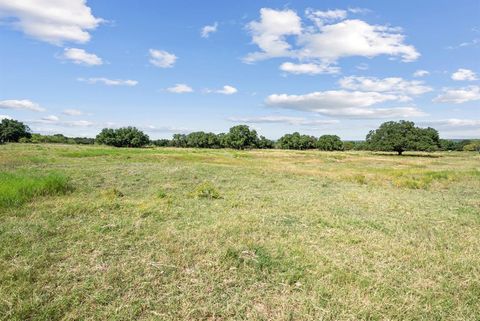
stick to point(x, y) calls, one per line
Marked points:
point(109, 82)
point(52, 21)
point(180, 89)
point(284, 120)
point(458, 95)
point(283, 34)
point(207, 30)
point(22, 104)
point(162, 58)
point(81, 57)
point(464, 74)
point(390, 84)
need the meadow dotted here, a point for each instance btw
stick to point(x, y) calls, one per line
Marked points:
point(100, 233)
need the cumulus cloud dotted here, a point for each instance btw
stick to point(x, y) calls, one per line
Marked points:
point(309, 68)
point(180, 89)
point(421, 73)
point(284, 119)
point(226, 90)
point(281, 34)
point(353, 104)
point(207, 30)
point(270, 33)
point(81, 57)
point(162, 58)
point(458, 95)
point(109, 82)
point(5, 117)
point(23, 104)
point(72, 112)
point(391, 84)
point(464, 74)
point(51, 21)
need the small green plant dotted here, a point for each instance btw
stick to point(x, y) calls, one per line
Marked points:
point(18, 188)
point(161, 194)
point(206, 190)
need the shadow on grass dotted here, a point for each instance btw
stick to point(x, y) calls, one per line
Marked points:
point(408, 155)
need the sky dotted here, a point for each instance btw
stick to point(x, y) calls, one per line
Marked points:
point(316, 67)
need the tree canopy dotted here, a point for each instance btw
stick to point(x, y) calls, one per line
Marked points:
point(296, 141)
point(403, 136)
point(329, 143)
point(240, 137)
point(12, 130)
point(122, 137)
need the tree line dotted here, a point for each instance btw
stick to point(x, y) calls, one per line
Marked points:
point(391, 136)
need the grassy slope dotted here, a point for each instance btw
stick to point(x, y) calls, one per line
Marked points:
point(293, 236)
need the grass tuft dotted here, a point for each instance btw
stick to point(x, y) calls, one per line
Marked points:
point(206, 190)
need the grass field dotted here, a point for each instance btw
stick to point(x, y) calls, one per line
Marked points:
point(97, 233)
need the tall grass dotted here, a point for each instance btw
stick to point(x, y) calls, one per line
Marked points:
point(20, 187)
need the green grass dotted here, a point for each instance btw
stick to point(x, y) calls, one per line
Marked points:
point(19, 187)
point(189, 234)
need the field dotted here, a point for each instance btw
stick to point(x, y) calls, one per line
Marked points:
point(98, 233)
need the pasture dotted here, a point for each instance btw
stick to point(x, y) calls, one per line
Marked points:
point(100, 233)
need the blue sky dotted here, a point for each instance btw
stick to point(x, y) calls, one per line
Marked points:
point(317, 67)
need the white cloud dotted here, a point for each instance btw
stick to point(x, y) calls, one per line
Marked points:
point(309, 68)
point(459, 95)
point(421, 73)
point(390, 84)
point(162, 58)
point(20, 104)
point(353, 104)
point(227, 90)
point(72, 112)
point(284, 119)
point(269, 34)
point(55, 121)
point(5, 117)
point(280, 34)
point(109, 82)
point(52, 118)
point(207, 30)
point(53, 21)
point(180, 89)
point(81, 57)
point(320, 17)
point(452, 123)
point(464, 74)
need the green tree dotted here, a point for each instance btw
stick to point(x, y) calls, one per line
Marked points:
point(329, 143)
point(296, 141)
point(403, 136)
point(265, 143)
point(241, 137)
point(122, 137)
point(12, 130)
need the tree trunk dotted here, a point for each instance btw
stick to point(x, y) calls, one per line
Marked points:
point(400, 152)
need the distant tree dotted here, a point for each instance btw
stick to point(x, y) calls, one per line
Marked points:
point(179, 140)
point(403, 136)
point(329, 143)
point(12, 130)
point(241, 137)
point(296, 141)
point(161, 142)
point(122, 137)
point(202, 140)
point(265, 143)
point(474, 146)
